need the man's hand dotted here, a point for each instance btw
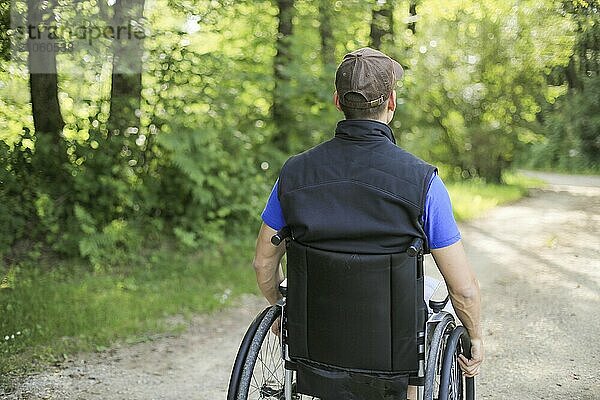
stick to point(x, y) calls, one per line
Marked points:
point(276, 326)
point(471, 366)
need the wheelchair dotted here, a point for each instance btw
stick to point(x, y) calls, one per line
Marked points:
point(351, 327)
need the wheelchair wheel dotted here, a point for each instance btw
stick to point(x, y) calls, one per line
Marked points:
point(435, 355)
point(453, 385)
point(443, 377)
point(258, 372)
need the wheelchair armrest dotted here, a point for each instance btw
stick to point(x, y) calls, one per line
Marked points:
point(438, 305)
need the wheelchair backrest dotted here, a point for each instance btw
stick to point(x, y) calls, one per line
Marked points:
point(360, 312)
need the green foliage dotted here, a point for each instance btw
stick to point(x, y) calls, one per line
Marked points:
point(476, 82)
point(572, 133)
point(118, 243)
point(199, 167)
point(195, 169)
point(215, 190)
point(17, 199)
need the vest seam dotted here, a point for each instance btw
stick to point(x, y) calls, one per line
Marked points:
point(414, 162)
point(416, 206)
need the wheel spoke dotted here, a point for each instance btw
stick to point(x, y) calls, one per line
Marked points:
point(268, 376)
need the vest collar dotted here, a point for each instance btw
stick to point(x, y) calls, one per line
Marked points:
point(363, 129)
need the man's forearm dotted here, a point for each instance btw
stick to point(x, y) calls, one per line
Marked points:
point(467, 304)
point(466, 299)
point(267, 264)
point(268, 279)
point(462, 286)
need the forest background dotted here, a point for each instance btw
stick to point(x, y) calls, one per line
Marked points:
point(139, 139)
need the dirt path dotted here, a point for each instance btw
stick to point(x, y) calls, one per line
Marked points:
point(538, 262)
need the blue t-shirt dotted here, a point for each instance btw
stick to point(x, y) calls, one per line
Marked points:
point(438, 221)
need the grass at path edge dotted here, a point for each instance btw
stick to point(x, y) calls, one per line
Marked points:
point(47, 315)
point(471, 199)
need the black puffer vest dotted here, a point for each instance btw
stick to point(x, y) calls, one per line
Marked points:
point(356, 193)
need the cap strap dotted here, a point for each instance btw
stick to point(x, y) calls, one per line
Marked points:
point(362, 104)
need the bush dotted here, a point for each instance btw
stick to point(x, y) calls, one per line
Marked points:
point(572, 133)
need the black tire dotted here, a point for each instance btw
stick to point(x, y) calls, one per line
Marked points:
point(240, 359)
point(435, 357)
point(452, 382)
point(258, 371)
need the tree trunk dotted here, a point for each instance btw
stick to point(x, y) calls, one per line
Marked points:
point(50, 151)
point(49, 162)
point(128, 48)
point(4, 27)
point(326, 33)
point(382, 24)
point(412, 16)
point(281, 113)
point(43, 79)
point(571, 75)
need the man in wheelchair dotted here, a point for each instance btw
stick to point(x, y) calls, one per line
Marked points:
point(358, 213)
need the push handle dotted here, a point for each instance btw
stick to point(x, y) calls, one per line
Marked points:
point(281, 235)
point(415, 248)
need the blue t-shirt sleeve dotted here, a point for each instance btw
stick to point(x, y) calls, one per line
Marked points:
point(438, 221)
point(272, 214)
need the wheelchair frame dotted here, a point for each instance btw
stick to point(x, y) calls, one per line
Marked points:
point(439, 376)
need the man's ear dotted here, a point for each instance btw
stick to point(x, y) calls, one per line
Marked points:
point(336, 100)
point(392, 101)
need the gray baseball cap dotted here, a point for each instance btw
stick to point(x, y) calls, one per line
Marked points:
point(368, 73)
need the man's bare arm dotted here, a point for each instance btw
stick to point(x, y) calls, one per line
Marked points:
point(464, 293)
point(267, 259)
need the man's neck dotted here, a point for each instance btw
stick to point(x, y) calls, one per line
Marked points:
point(383, 120)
